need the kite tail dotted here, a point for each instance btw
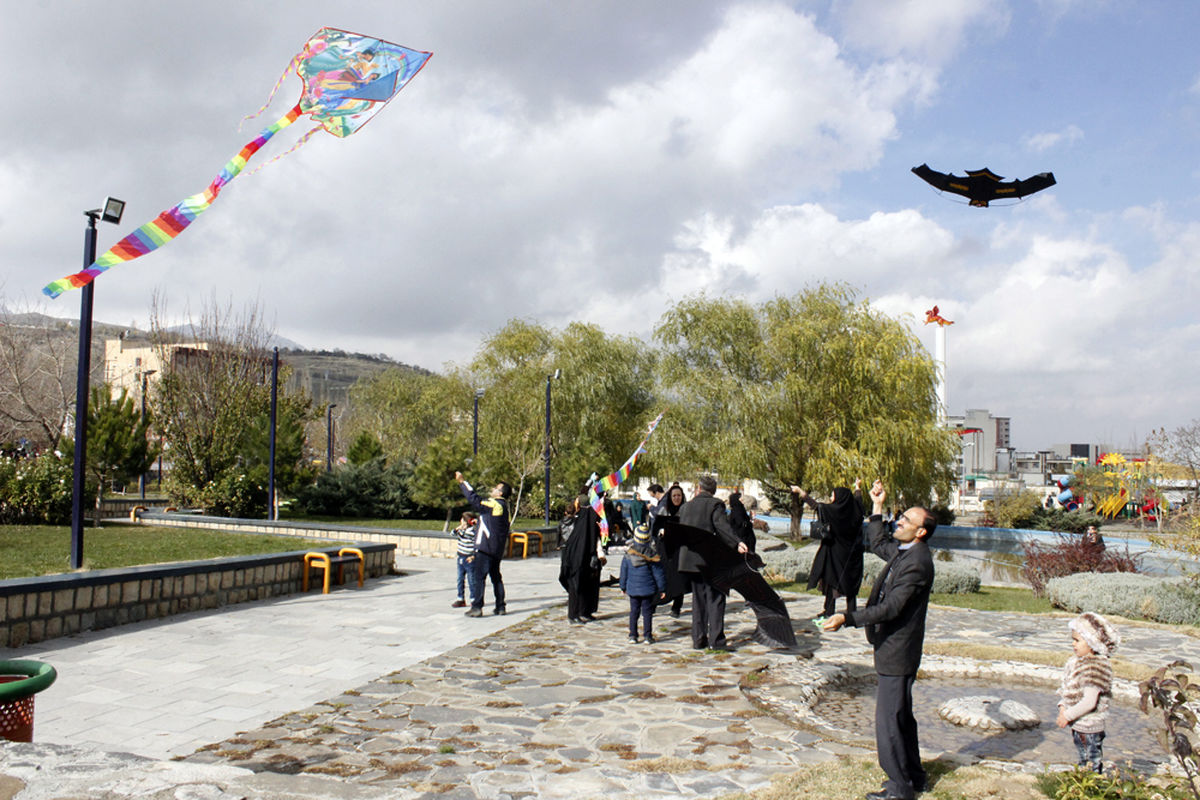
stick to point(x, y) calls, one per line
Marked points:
point(300, 143)
point(615, 479)
point(271, 97)
point(169, 224)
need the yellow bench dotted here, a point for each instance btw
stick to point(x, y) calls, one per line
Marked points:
point(323, 561)
point(522, 537)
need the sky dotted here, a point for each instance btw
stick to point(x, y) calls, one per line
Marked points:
point(599, 161)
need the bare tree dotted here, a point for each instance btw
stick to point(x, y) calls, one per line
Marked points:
point(1180, 447)
point(38, 355)
point(215, 379)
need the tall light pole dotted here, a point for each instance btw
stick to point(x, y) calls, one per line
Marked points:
point(145, 386)
point(271, 506)
point(329, 437)
point(111, 212)
point(549, 378)
point(475, 445)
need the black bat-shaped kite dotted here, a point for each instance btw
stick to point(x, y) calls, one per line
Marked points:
point(982, 185)
point(726, 569)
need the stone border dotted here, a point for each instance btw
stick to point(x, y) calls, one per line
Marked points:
point(815, 678)
point(46, 607)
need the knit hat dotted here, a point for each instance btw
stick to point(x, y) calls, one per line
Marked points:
point(641, 533)
point(1097, 632)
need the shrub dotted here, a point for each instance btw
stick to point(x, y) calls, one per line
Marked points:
point(1069, 556)
point(1084, 784)
point(1013, 509)
point(794, 566)
point(370, 490)
point(38, 491)
point(1057, 519)
point(1171, 600)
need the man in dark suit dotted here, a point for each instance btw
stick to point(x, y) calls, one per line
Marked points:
point(706, 512)
point(895, 623)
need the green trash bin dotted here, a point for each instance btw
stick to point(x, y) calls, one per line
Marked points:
point(19, 682)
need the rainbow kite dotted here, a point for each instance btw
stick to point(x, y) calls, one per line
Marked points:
point(614, 479)
point(348, 79)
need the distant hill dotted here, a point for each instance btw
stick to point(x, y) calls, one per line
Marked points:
point(326, 375)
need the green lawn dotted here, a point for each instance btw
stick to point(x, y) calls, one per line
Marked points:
point(29, 550)
point(988, 598)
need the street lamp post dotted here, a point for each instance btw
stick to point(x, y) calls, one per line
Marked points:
point(475, 445)
point(271, 505)
point(329, 437)
point(549, 378)
point(111, 212)
point(145, 386)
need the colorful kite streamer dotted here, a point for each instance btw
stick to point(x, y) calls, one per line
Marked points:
point(614, 479)
point(348, 79)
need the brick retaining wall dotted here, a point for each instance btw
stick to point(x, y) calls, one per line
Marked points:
point(46, 607)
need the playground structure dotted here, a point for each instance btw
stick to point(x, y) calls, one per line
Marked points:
point(1119, 485)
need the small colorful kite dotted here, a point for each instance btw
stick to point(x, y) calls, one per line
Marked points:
point(348, 79)
point(932, 315)
point(614, 479)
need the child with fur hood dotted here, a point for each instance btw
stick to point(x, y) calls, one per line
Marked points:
point(1087, 686)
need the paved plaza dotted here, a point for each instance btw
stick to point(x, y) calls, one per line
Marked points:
point(387, 691)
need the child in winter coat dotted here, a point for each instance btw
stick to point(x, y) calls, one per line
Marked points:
point(1087, 686)
point(643, 579)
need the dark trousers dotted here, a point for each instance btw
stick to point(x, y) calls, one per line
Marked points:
point(486, 566)
point(896, 736)
point(641, 606)
point(708, 614)
point(831, 602)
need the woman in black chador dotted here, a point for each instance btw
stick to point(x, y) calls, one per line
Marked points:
point(582, 558)
point(838, 566)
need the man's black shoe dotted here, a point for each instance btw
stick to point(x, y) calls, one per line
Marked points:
point(501, 611)
point(884, 794)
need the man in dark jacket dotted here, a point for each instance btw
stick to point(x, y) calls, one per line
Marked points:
point(895, 624)
point(706, 512)
point(490, 542)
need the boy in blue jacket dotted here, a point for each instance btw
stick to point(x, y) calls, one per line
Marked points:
point(643, 579)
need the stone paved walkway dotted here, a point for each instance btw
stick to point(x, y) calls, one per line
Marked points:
point(528, 707)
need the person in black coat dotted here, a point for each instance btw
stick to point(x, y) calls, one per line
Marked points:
point(838, 565)
point(580, 565)
point(706, 512)
point(739, 520)
point(895, 624)
point(678, 584)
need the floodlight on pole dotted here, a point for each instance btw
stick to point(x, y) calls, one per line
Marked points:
point(329, 437)
point(111, 212)
point(475, 426)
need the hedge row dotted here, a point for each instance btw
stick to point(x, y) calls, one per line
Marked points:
point(794, 565)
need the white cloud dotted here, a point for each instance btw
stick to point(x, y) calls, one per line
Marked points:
point(931, 31)
point(1041, 142)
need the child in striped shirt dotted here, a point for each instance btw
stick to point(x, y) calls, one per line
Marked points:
point(465, 534)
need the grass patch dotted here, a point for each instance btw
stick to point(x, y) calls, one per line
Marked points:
point(854, 777)
point(997, 598)
point(27, 551)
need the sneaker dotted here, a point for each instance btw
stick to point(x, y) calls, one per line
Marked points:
point(475, 612)
point(649, 638)
point(633, 639)
point(500, 611)
point(459, 603)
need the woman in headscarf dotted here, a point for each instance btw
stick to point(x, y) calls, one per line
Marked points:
point(838, 566)
point(579, 570)
point(677, 582)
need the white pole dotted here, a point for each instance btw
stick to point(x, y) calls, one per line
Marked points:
point(939, 359)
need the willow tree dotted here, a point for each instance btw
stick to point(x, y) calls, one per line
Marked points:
point(600, 404)
point(815, 389)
